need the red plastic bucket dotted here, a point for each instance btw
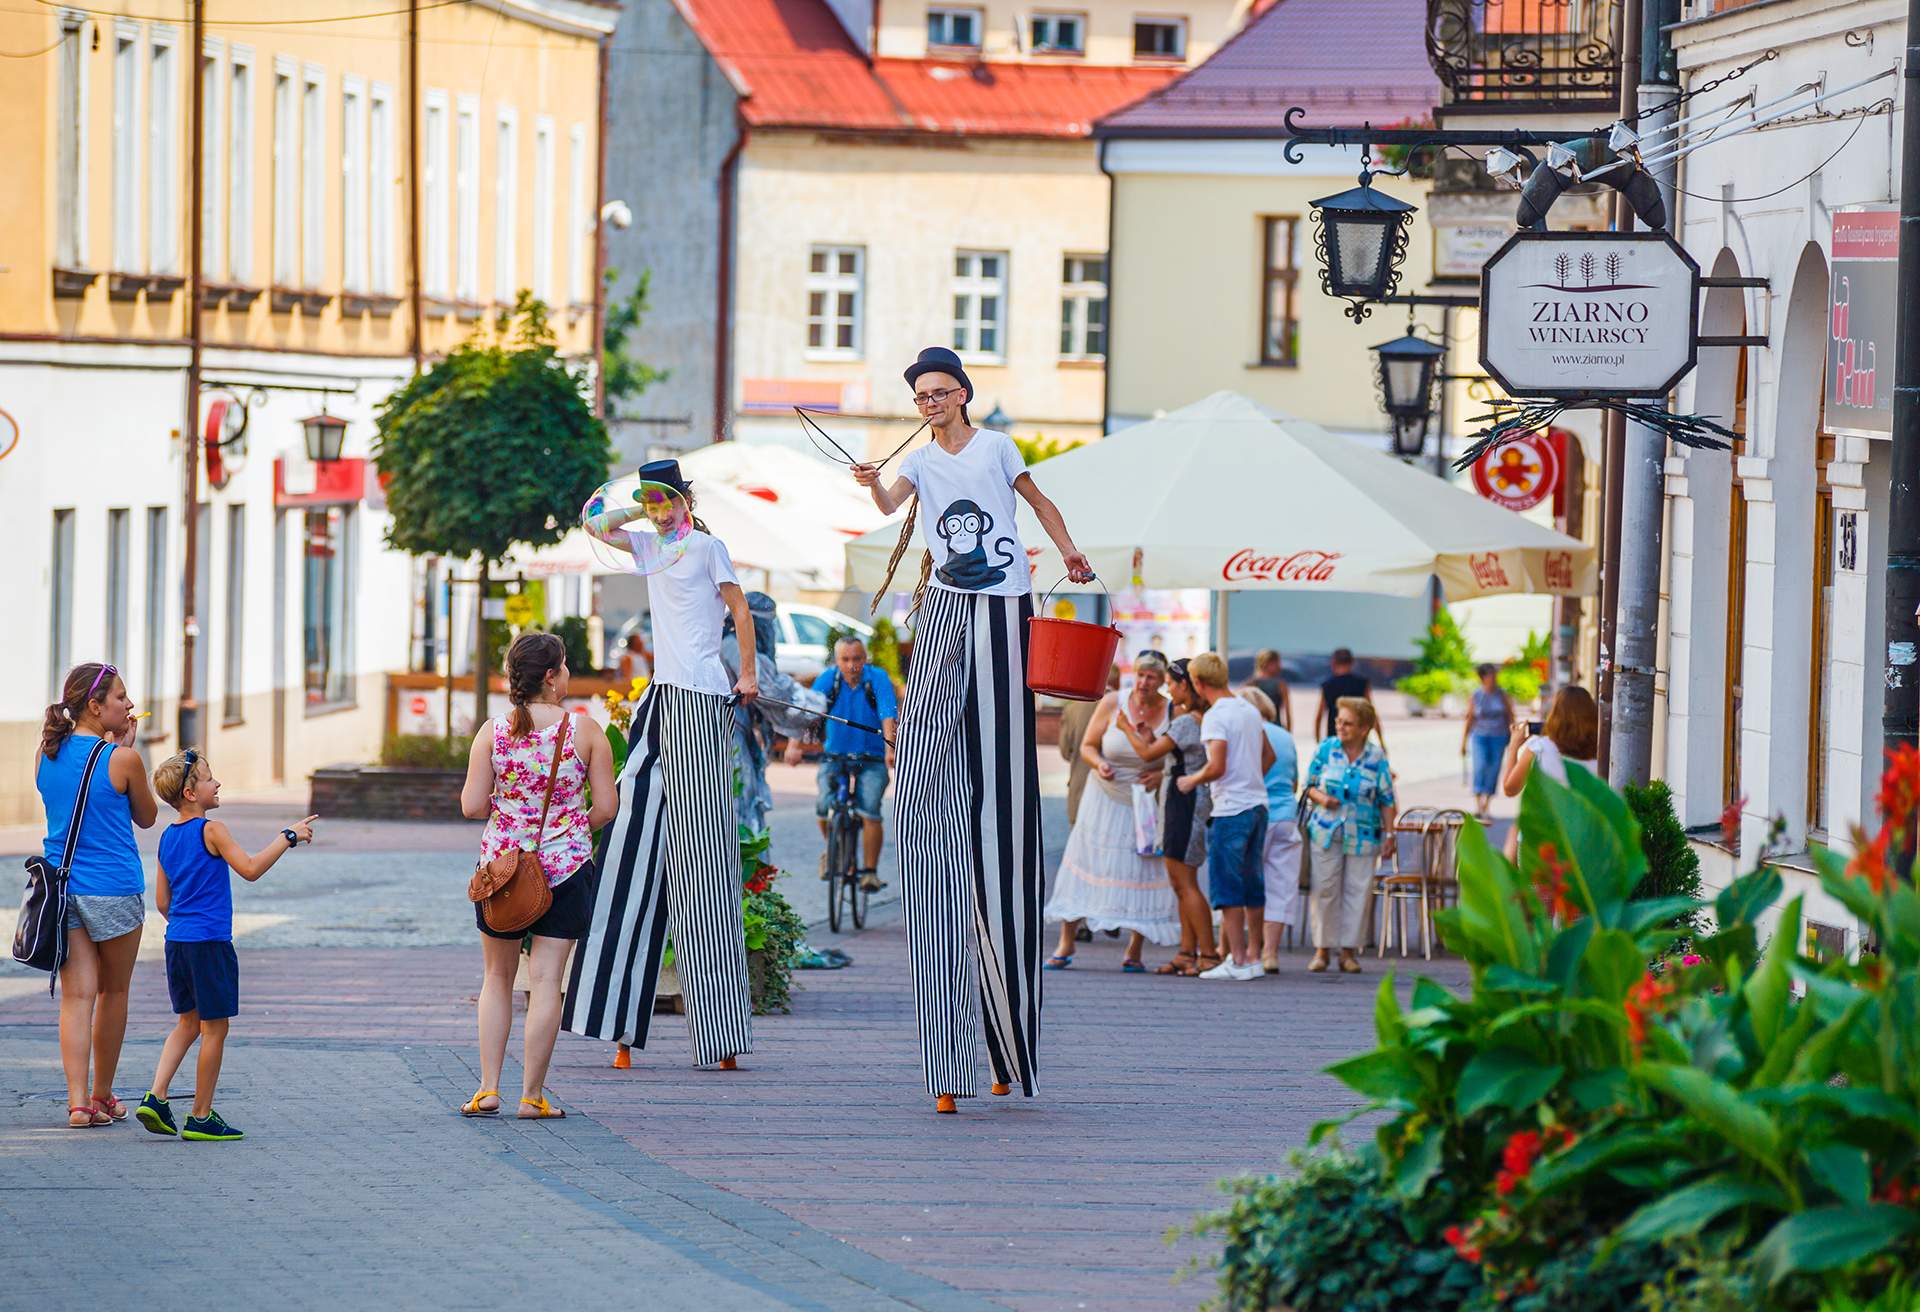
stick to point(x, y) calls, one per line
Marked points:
point(1069, 658)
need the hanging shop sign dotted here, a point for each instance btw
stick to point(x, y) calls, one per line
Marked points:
point(1520, 474)
point(1589, 314)
point(1860, 320)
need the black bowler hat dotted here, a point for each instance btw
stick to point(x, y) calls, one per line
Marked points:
point(666, 473)
point(939, 360)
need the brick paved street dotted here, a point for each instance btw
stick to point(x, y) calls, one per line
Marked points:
point(814, 1177)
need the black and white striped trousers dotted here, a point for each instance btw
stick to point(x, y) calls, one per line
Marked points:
point(967, 819)
point(669, 862)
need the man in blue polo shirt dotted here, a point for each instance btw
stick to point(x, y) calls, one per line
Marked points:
point(858, 692)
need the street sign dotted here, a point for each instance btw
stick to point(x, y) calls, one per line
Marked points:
point(1589, 314)
point(1866, 255)
point(1519, 474)
point(519, 610)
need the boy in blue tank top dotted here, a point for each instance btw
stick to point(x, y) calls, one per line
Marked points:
point(194, 893)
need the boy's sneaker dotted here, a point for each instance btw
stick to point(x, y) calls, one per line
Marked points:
point(1252, 970)
point(1225, 970)
point(156, 1114)
point(209, 1127)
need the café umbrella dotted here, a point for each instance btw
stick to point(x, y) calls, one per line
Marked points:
point(1227, 495)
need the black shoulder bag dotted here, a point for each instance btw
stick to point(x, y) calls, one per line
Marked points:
point(40, 940)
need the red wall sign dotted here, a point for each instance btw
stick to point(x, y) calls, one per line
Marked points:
point(1520, 474)
point(334, 481)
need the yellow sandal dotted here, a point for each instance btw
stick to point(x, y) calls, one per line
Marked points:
point(542, 1109)
point(473, 1107)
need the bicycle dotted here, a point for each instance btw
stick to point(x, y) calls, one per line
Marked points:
point(843, 847)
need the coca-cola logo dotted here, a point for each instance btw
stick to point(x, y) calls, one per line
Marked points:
point(1300, 567)
point(1487, 572)
point(1560, 569)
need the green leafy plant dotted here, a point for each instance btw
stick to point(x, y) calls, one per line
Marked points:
point(573, 631)
point(414, 751)
point(773, 928)
point(1429, 687)
point(1520, 683)
point(494, 445)
point(624, 376)
point(883, 648)
point(1673, 867)
point(1037, 448)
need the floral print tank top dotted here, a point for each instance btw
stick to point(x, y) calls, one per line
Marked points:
point(520, 767)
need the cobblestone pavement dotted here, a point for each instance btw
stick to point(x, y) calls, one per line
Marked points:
point(816, 1176)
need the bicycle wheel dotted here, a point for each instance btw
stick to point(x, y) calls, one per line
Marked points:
point(836, 871)
point(859, 897)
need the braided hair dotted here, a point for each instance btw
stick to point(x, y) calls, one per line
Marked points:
point(531, 658)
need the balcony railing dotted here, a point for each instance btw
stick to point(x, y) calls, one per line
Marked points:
point(1516, 53)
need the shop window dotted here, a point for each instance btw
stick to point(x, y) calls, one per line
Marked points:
point(328, 553)
point(1736, 589)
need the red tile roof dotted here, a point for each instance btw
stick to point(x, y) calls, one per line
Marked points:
point(795, 66)
point(1344, 62)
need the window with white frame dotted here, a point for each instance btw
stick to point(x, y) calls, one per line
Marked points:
point(163, 152)
point(506, 198)
point(466, 199)
point(160, 581)
point(212, 133)
point(954, 28)
point(119, 567)
point(380, 172)
point(1279, 281)
point(543, 209)
point(579, 223)
point(1058, 34)
point(233, 701)
point(353, 185)
point(127, 126)
point(60, 631)
point(70, 147)
point(327, 647)
point(240, 165)
point(1159, 38)
point(1083, 307)
point(980, 303)
point(313, 177)
point(435, 180)
point(835, 300)
point(286, 175)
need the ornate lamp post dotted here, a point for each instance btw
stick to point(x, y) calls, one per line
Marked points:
point(1404, 370)
point(326, 434)
point(1361, 241)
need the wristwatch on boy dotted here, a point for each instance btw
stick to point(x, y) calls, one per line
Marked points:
point(293, 839)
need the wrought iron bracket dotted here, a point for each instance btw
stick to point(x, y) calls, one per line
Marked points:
point(1419, 138)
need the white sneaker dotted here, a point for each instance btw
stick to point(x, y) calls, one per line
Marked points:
point(1225, 970)
point(1252, 970)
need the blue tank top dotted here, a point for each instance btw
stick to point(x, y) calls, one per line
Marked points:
point(105, 863)
point(200, 908)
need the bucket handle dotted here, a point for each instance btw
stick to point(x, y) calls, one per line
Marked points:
point(1062, 579)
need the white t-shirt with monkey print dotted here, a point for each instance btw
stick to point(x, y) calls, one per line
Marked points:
point(968, 514)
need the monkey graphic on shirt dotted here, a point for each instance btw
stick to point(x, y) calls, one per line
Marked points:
point(964, 527)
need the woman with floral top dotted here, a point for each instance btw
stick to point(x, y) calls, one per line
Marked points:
point(1349, 827)
point(507, 775)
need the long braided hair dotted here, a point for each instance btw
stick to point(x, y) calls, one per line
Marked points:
point(900, 549)
point(529, 660)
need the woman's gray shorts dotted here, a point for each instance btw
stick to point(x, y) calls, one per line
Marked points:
point(106, 917)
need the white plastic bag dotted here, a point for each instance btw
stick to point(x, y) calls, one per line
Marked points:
point(1146, 822)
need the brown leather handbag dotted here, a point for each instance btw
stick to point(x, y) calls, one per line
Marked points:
point(513, 887)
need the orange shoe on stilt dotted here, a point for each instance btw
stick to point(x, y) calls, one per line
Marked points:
point(944, 1105)
point(1002, 1090)
point(622, 1058)
point(727, 1064)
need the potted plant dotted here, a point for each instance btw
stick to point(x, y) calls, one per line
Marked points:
point(1441, 670)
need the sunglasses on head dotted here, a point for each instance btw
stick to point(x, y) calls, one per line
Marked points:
point(106, 671)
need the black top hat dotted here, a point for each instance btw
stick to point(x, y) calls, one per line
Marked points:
point(939, 360)
point(667, 474)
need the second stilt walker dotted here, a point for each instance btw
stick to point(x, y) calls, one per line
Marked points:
point(967, 800)
point(670, 860)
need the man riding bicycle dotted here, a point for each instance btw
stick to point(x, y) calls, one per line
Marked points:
point(861, 693)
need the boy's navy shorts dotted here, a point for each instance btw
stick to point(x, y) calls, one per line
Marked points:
point(204, 977)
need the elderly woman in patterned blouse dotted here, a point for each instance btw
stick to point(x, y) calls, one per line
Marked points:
point(1350, 827)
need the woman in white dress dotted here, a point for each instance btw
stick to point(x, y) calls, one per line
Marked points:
point(1105, 879)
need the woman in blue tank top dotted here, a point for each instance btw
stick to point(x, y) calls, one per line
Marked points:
point(105, 907)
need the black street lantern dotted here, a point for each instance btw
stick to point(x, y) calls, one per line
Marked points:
point(1405, 377)
point(326, 434)
point(1361, 242)
point(998, 420)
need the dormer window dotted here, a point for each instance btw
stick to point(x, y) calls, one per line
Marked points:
point(1160, 38)
point(1059, 34)
point(953, 29)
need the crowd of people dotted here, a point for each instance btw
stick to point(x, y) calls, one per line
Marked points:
point(1173, 771)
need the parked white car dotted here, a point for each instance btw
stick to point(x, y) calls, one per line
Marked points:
point(802, 648)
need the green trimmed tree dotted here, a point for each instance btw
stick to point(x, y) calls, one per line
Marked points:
point(496, 444)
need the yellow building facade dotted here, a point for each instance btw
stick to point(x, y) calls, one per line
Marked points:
point(351, 176)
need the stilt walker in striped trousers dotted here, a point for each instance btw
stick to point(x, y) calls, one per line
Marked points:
point(967, 800)
point(670, 861)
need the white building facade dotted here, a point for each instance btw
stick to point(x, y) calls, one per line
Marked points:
point(1776, 551)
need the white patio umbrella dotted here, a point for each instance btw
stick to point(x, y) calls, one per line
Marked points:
point(1224, 494)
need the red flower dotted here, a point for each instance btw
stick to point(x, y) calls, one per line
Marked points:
point(1730, 822)
point(1870, 856)
point(1644, 999)
point(1522, 1150)
point(1462, 1243)
point(1553, 887)
point(1899, 794)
